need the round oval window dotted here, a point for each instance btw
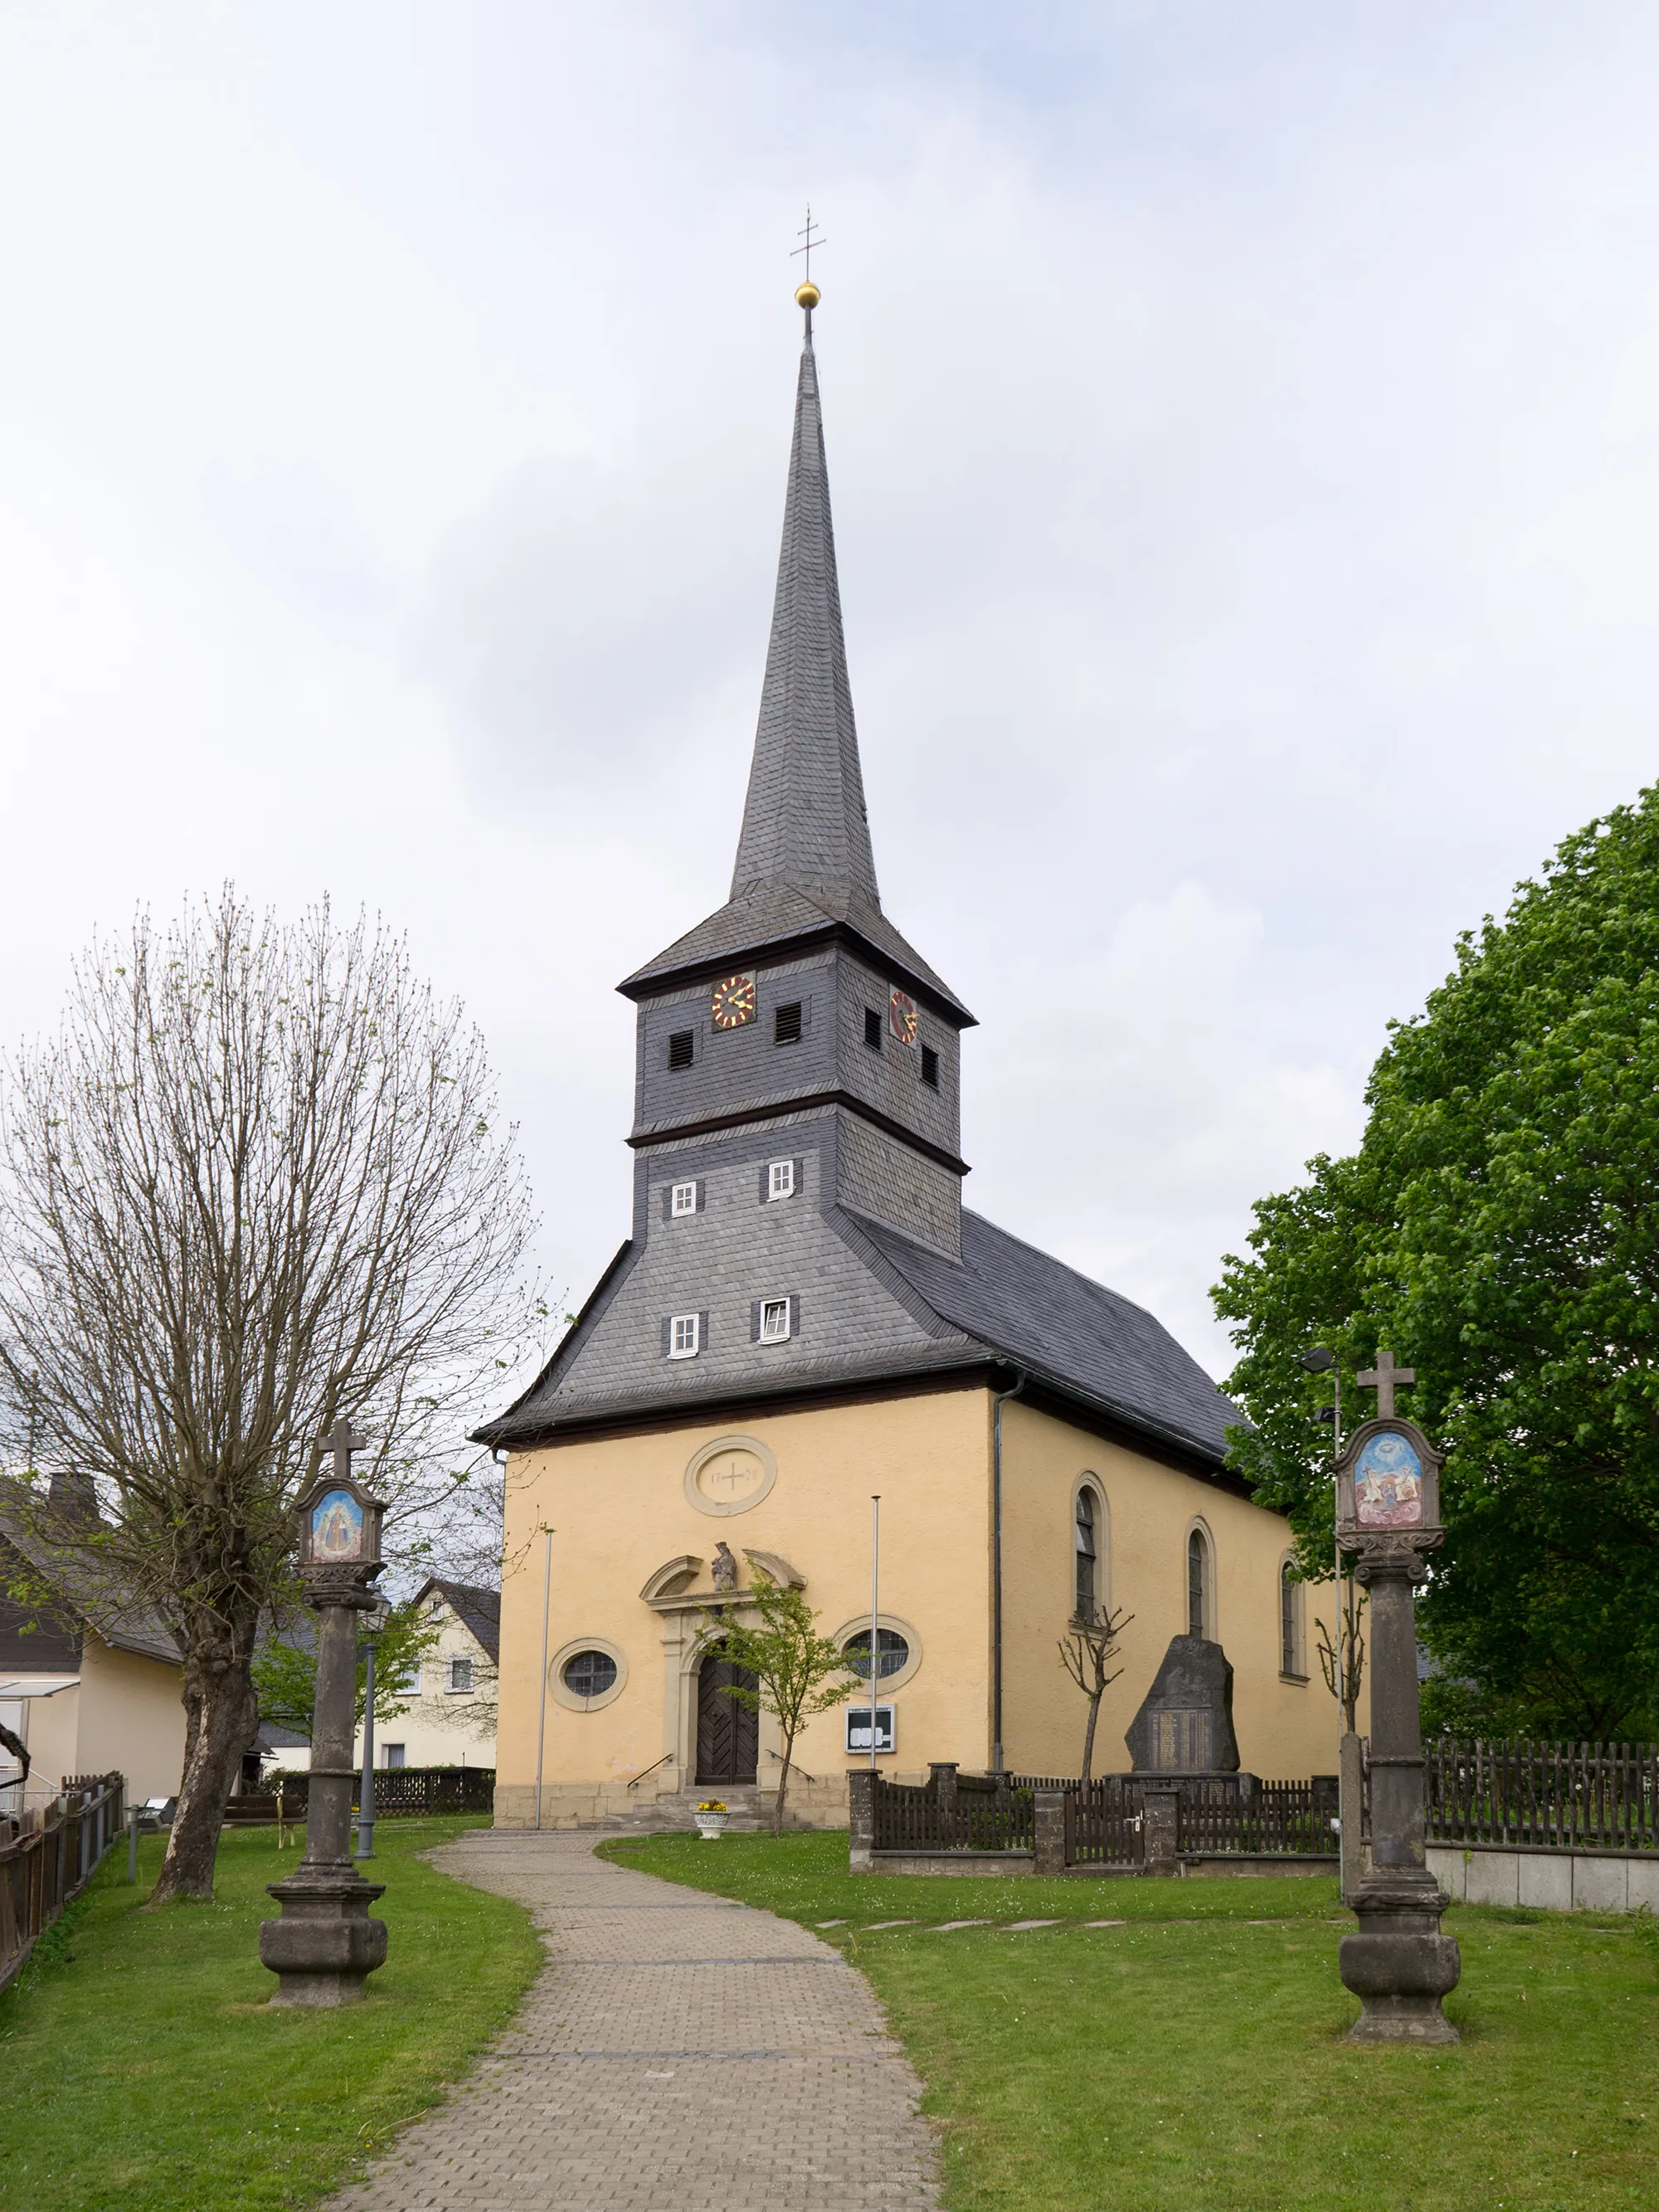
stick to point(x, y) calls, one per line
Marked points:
point(892, 1653)
point(590, 1674)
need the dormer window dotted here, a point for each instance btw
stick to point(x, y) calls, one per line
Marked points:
point(683, 1332)
point(780, 1180)
point(774, 1321)
point(683, 1199)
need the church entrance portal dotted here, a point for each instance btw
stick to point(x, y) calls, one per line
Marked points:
point(728, 1734)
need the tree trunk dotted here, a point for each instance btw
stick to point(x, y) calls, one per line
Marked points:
point(1088, 1733)
point(222, 1717)
point(783, 1785)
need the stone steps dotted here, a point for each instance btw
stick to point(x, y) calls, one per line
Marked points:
point(750, 1812)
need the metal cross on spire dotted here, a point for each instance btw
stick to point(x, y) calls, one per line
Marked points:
point(807, 248)
point(1382, 1378)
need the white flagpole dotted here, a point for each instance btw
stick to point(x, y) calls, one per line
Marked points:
point(541, 1721)
point(875, 1615)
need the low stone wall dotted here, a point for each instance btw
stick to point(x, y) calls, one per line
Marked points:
point(820, 1803)
point(994, 1863)
point(1555, 1881)
point(1259, 1862)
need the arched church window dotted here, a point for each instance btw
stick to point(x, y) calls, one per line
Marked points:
point(1198, 1580)
point(1086, 1553)
point(892, 1652)
point(589, 1673)
point(1292, 1659)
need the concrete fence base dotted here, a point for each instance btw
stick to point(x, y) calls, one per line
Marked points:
point(1555, 1881)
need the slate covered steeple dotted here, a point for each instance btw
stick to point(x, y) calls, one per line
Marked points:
point(804, 822)
point(805, 868)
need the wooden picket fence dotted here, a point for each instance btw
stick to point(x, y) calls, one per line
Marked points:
point(1543, 1796)
point(1221, 1815)
point(47, 1855)
point(971, 1813)
point(1107, 1828)
point(400, 1792)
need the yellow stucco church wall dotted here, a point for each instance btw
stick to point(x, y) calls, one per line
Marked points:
point(1284, 1728)
point(619, 1511)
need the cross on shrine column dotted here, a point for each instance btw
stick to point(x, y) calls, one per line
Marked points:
point(343, 1440)
point(1382, 1378)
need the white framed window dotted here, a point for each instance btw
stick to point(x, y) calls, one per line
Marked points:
point(780, 1180)
point(774, 1321)
point(415, 1686)
point(683, 1199)
point(683, 1333)
point(460, 1675)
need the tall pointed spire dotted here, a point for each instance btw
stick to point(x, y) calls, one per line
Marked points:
point(803, 865)
point(804, 822)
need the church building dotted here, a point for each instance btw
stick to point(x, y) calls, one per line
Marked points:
point(804, 1315)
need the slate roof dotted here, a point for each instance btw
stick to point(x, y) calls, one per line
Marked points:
point(477, 1608)
point(804, 855)
point(1005, 1302)
point(1066, 1330)
point(769, 919)
point(55, 1545)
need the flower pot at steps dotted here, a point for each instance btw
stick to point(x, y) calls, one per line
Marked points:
point(710, 1826)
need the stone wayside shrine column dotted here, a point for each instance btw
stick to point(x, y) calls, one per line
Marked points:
point(1399, 1965)
point(325, 1946)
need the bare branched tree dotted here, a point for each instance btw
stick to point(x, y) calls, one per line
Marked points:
point(1345, 1676)
point(250, 1185)
point(1085, 1655)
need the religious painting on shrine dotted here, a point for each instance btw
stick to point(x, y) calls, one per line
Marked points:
point(1388, 1483)
point(337, 1528)
point(339, 1521)
point(1388, 1478)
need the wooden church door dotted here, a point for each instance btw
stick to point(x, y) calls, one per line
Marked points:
point(728, 1734)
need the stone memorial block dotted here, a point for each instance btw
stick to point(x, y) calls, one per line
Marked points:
point(1185, 1725)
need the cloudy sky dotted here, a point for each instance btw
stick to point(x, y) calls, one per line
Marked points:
point(1243, 431)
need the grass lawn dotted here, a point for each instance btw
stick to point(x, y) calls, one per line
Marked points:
point(1191, 2060)
point(147, 2071)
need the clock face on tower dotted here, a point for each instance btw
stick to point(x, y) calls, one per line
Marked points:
point(902, 1017)
point(733, 1002)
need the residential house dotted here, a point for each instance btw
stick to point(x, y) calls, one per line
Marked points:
point(90, 1680)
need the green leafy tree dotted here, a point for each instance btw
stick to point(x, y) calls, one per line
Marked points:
point(1498, 1227)
point(795, 1668)
point(285, 1674)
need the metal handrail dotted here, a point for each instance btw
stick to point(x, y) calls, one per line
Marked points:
point(795, 1766)
point(651, 1768)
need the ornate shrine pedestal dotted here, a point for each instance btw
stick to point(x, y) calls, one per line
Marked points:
point(325, 1946)
point(1399, 1965)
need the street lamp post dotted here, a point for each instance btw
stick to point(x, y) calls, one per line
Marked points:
point(374, 1621)
point(325, 1946)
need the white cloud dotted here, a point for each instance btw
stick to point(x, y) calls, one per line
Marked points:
point(1244, 464)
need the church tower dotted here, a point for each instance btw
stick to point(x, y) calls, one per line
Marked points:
point(796, 1070)
point(805, 1313)
point(799, 998)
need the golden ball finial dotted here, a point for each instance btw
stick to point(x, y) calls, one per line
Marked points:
point(808, 295)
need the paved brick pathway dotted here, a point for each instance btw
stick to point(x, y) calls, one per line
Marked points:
point(678, 2054)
